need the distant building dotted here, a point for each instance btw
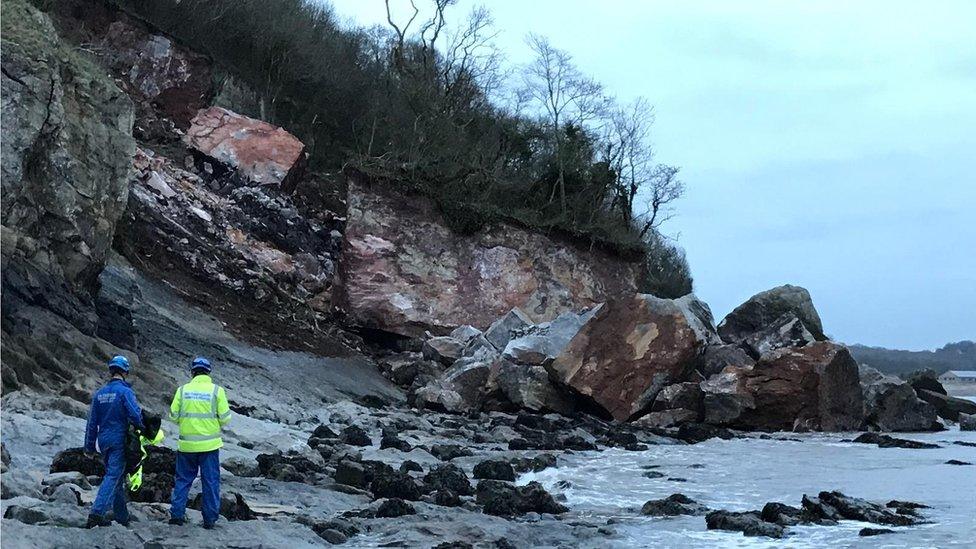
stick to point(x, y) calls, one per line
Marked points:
point(958, 376)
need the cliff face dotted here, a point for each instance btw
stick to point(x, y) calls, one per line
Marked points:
point(67, 146)
point(403, 271)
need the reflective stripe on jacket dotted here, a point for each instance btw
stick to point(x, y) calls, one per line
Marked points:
point(200, 408)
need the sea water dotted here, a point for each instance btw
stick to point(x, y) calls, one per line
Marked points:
point(743, 474)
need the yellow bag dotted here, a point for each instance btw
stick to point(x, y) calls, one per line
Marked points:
point(135, 479)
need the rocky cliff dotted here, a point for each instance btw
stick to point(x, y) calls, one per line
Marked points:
point(66, 153)
point(66, 150)
point(404, 271)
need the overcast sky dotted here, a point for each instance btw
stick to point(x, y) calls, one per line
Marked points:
point(829, 144)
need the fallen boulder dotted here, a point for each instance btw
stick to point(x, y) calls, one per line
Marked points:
point(390, 483)
point(885, 441)
point(394, 507)
point(891, 404)
point(503, 499)
point(287, 468)
point(75, 459)
point(260, 153)
point(785, 331)
point(750, 523)
point(448, 477)
point(460, 389)
point(926, 379)
point(355, 435)
point(352, 473)
point(232, 506)
point(631, 348)
point(390, 439)
point(447, 452)
point(528, 387)
point(66, 493)
point(504, 329)
point(541, 343)
point(948, 407)
point(718, 357)
point(836, 506)
point(494, 469)
point(673, 505)
point(809, 388)
point(669, 418)
point(535, 464)
point(764, 308)
point(866, 532)
point(443, 349)
point(53, 480)
point(687, 395)
point(782, 514)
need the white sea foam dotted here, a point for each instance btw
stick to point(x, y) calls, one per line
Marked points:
point(744, 474)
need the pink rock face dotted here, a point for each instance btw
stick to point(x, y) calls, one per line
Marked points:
point(261, 153)
point(633, 347)
point(815, 387)
point(402, 270)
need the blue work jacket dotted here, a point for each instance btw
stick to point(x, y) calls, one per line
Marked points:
point(113, 408)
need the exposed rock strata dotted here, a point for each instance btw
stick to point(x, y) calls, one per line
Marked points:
point(404, 271)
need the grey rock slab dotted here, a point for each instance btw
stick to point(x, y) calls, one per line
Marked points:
point(502, 330)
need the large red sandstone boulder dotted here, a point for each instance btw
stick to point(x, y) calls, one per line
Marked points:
point(794, 389)
point(631, 348)
point(261, 154)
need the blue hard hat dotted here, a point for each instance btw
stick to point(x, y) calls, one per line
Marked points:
point(119, 362)
point(200, 363)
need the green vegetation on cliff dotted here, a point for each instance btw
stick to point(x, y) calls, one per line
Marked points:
point(433, 105)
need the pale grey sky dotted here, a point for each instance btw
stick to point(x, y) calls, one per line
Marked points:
point(829, 144)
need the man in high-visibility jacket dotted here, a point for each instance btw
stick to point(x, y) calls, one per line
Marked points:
point(200, 408)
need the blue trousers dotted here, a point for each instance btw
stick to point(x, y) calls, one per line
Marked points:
point(188, 464)
point(111, 492)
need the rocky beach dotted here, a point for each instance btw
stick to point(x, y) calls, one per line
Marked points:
point(394, 382)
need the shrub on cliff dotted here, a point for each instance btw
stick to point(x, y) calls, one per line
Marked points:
point(666, 270)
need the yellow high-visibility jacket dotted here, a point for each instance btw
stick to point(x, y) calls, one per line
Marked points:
point(200, 408)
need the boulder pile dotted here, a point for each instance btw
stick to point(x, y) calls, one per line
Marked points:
point(662, 362)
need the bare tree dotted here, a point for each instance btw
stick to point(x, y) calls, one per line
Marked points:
point(446, 75)
point(664, 188)
point(628, 153)
point(563, 95)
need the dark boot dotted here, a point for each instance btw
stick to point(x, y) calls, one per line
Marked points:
point(177, 521)
point(208, 525)
point(95, 520)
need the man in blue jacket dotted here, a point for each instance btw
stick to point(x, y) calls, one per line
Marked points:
point(113, 409)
